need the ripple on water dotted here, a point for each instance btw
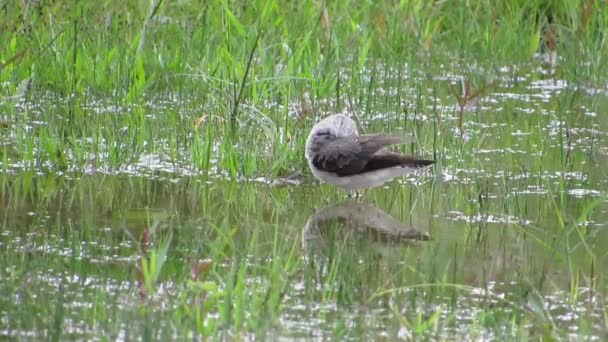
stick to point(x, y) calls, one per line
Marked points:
point(459, 216)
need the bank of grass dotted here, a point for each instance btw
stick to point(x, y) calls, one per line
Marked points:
point(255, 75)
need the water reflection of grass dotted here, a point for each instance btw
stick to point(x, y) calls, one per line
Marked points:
point(129, 123)
point(234, 265)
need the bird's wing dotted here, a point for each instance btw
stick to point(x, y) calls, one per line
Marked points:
point(384, 159)
point(350, 155)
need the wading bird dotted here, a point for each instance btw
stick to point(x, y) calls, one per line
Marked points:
point(338, 155)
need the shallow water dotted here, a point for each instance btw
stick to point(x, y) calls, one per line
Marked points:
point(515, 209)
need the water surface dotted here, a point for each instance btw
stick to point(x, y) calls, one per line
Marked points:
point(515, 210)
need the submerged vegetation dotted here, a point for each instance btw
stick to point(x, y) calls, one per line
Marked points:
point(154, 185)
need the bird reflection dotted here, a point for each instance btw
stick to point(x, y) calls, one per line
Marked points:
point(357, 218)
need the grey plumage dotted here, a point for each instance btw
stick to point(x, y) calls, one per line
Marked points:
point(338, 155)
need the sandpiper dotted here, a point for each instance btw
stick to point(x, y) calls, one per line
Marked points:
point(338, 155)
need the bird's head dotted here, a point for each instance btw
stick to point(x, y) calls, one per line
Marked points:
point(330, 128)
point(337, 125)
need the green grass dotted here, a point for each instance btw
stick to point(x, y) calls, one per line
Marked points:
point(249, 64)
point(139, 142)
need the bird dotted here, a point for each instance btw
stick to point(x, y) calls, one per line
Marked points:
point(338, 155)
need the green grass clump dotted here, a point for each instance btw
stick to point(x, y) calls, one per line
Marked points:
point(249, 65)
